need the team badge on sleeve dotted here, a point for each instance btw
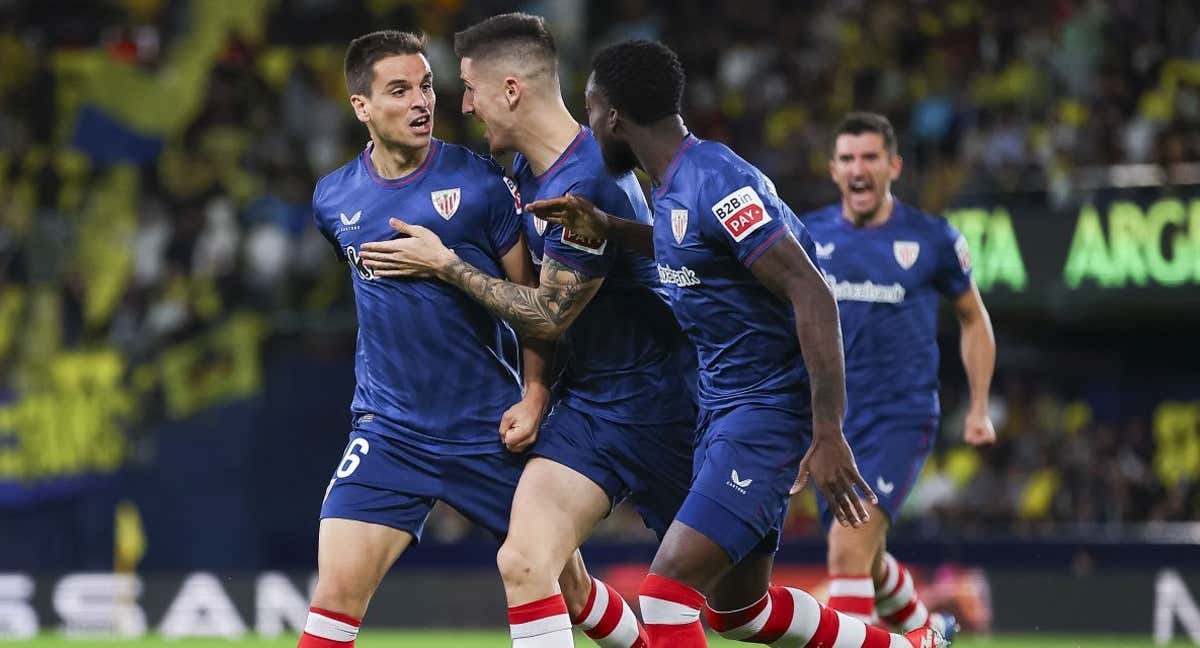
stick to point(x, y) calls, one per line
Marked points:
point(582, 243)
point(446, 201)
point(906, 253)
point(741, 212)
point(679, 224)
point(964, 254)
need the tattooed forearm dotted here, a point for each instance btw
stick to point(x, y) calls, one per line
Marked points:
point(544, 312)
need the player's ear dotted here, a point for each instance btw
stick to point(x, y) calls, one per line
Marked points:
point(895, 165)
point(614, 121)
point(833, 169)
point(512, 91)
point(359, 104)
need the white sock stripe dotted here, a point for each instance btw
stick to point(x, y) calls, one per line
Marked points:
point(851, 632)
point(319, 625)
point(599, 605)
point(626, 632)
point(540, 626)
point(751, 627)
point(806, 615)
point(898, 600)
point(856, 587)
point(865, 618)
point(891, 571)
point(918, 618)
point(660, 611)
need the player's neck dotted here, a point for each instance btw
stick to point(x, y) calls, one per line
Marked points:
point(397, 161)
point(546, 135)
point(877, 219)
point(659, 144)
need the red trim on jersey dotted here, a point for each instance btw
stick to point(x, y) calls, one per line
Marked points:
point(673, 165)
point(435, 146)
point(563, 156)
point(764, 245)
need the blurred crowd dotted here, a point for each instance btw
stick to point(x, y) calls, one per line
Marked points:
point(157, 161)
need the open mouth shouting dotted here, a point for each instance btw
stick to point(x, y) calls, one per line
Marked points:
point(422, 125)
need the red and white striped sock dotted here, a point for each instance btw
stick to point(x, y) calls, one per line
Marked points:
point(325, 629)
point(853, 596)
point(896, 599)
point(541, 624)
point(792, 618)
point(671, 611)
point(607, 619)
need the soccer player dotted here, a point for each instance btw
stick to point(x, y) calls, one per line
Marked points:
point(888, 262)
point(624, 423)
point(741, 280)
point(435, 372)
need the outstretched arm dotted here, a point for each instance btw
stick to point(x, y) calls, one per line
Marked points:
point(786, 271)
point(579, 215)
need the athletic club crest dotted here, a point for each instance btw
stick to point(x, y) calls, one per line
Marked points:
point(679, 224)
point(539, 225)
point(446, 201)
point(906, 253)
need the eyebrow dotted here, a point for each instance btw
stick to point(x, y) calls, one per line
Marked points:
point(404, 83)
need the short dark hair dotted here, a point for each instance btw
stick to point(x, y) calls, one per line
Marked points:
point(366, 50)
point(641, 78)
point(521, 35)
point(859, 122)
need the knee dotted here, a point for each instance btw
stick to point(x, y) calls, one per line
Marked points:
point(342, 594)
point(517, 565)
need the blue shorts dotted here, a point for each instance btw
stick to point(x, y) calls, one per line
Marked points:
point(387, 481)
point(890, 451)
point(649, 464)
point(745, 463)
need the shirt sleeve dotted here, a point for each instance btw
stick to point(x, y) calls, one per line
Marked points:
point(505, 226)
point(319, 221)
point(952, 277)
point(592, 257)
point(741, 212)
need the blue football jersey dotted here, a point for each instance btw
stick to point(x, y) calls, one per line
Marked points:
point(432, 366)
point(887, 281)
point(714, 216)
point(624, 349)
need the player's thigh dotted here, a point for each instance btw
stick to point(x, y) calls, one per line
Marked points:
point(746, 462)
point(656, 464)
point(352, 558)
point(690, 557)
point(854, 550)
point(744, 584)
point(554, 510)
